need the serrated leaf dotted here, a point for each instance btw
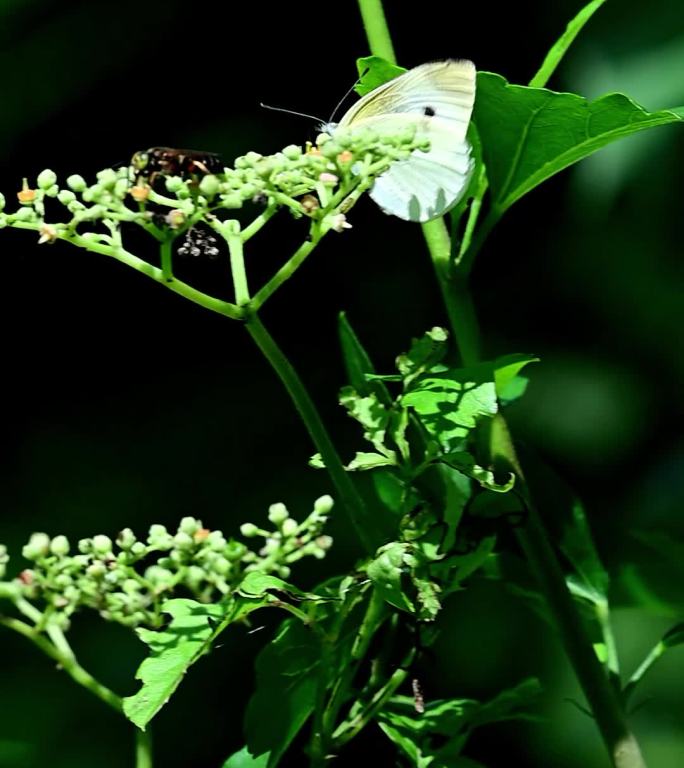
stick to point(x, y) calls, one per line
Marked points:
point(174, 649)
point(363, 461)
point(530, 134)
point(374, 71)
point(287, 676)
point(450, 404)
point(243, 759)
point(425, 354)
point(256, 584)
point(370, 413)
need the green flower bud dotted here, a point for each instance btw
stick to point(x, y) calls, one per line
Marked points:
point(292, 152)
point(46, 179)
point(2, 202)
point(3, 222)
point(52, 191)
point(59, 546)
point(283, 571)
point(131, 587)
point(289, 527)
point(160, 578)
point(323, 505)
point(216, 541)
point(138, 549)
point(194, 577)
point(174, 184)
point(63, 580)
point(102, 545)
point(231, 201)
point(210, 186)
point(159, 537)
point(76, 182)
point(249, 530)
point(324, 542)
point(125, 539)
point(96, 570)
point(189, 525)
point(25, 214)
point(183, 541)
point(107, 178)
point(66, 196)
point(221, 566)
point(277, 513)
point(235, 550)
point(37, 547)
point(271, 546)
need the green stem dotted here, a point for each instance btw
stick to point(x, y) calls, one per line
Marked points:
point(654, 654)
point(612, 660)
point(349, 729)
point(377, 31)
point(143, 749)
point(286, 271)
point(349, 496)
point(602, 697)
point(166, 258)
point(66, 661)
point(253, 227)
point(455, 293)
point(610, 718)
point(231, 232)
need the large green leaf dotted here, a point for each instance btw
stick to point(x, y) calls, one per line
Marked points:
point(243, 759)
point(193, 628)
point(174, 649)
point(287, 676)
point(529, 134)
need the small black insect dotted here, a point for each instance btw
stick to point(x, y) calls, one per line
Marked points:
point(150, 163)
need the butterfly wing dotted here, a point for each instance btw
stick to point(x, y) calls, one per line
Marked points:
point(436, 98)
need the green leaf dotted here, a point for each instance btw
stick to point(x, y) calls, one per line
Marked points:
point(358, 364)
point(371, 414)
point(530, 134)
point(364, 461)
point(243, 759)
point(287, 672)
point(257, 584)
point(464, 462)
point(511, 704)
point(560, 47)
point(457, 492)
point(506, 370)
point(578, 546)
point(386, 572)
point(174, 649)
point(449, 404)
point(374, 71)
point(424, 354)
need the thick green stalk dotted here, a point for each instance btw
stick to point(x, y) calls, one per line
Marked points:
point(143, 749)
point(348, 495)
point(377, 31)
point(455, 292)
point(610, 718)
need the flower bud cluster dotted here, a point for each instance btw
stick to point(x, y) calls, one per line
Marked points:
point(310, 181)
point(126, 580)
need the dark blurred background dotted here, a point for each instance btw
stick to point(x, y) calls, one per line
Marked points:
point(125, 405)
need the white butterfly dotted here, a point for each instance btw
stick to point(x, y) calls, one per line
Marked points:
point(437, 98)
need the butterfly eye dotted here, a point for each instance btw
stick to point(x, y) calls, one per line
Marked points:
point(429, 111)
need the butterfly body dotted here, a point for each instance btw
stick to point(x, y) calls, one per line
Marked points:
point(436, 99)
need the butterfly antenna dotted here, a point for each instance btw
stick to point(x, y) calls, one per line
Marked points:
point(290, 112)
point(346, 95)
